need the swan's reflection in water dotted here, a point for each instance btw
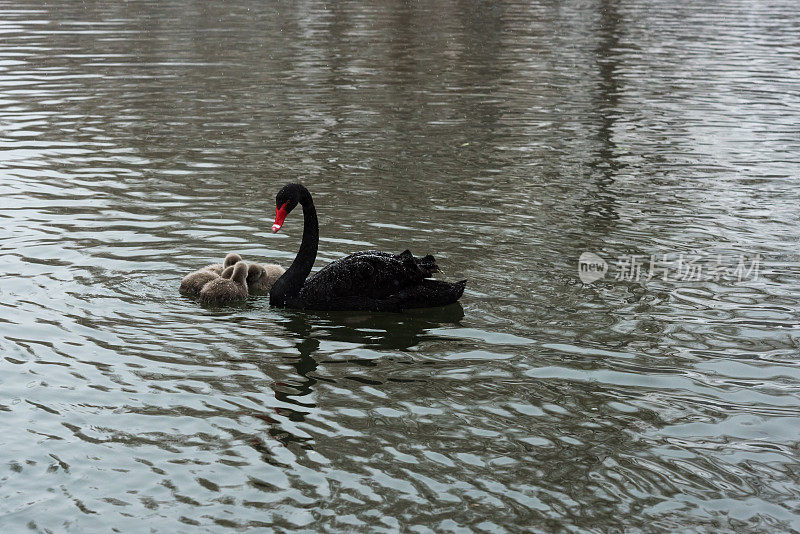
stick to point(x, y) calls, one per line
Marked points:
point(310, 330)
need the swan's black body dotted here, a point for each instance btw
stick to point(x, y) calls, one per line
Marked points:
point(369, 280)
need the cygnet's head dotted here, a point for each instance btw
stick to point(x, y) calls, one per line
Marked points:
point(231, 259)
point(254, 273)
point(240, 273)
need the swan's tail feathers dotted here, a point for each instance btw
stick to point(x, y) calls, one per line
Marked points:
point(428, 265)
point(460, 286)
point(431, 293)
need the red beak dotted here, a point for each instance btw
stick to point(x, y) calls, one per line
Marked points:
point(280, 216)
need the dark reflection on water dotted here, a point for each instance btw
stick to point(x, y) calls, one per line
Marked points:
point(141, 139)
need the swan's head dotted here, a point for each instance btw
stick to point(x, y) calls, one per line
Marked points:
point(285, 201)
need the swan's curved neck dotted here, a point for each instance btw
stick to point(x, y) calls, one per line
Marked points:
point(289, 285)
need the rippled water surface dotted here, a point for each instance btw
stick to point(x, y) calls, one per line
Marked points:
point(141, 140)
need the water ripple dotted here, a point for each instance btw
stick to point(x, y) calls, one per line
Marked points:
point(141, 140)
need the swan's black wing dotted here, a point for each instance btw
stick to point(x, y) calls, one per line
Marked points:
point(369, 276)
point(426, 263)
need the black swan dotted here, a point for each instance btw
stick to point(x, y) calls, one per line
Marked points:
point(230, 288)
point(193, 283)
point(261, 278)
point(369, 280)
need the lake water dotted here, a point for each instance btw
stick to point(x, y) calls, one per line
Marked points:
point(141, 140)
